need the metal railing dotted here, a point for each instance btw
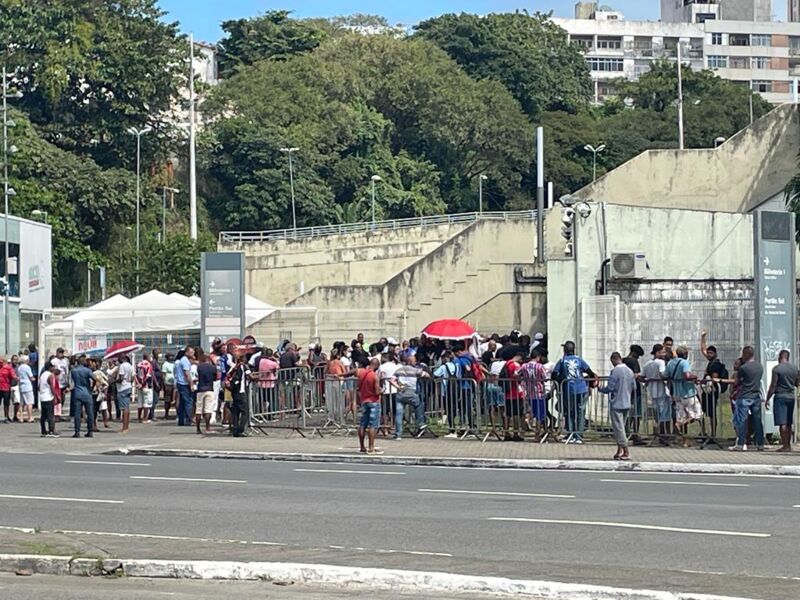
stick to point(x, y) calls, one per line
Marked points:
point(240, 237)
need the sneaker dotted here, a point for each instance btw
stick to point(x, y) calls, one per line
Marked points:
point(738, 448)
point(452, 436)
point(507, 437)
point(90, 434)
point(578, 441)
point(76, 435)
point(397, 438)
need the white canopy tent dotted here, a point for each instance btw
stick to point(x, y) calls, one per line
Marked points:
point(151, 312)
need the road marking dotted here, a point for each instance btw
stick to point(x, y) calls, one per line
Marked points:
point(482, 493)
point(796, 506)
point(656, 481)
point(100, 462)
point(17, 529)
point(634, 526)
point(178, 538)
point(55, 499)
point(189, 479)
point(347, 471)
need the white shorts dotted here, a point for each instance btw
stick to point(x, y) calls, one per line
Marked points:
point(27, 398)
point(145, 397)
point(688, 410)
point(205, 403)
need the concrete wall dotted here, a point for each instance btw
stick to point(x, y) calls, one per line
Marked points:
point(749, 168)
point(277, 270)
point(679, 245)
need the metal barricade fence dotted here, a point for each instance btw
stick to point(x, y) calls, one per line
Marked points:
point(277, 400)
point(582, 409)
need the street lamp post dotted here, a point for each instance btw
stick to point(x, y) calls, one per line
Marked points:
point(680, 99)
point(8, 191)
point(138, 133)
point(595, 152)
point(481, 179)
point(289, 152)
point(40, 213)
point(374, 179)
point(164, 190)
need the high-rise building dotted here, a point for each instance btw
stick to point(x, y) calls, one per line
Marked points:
point(699, 11)
point(763, 55)
point(585, 10)
point(793, 11)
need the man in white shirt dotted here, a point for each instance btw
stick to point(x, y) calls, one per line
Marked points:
point(389, 388)
point(47, 401)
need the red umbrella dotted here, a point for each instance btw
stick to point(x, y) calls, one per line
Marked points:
point(122, 348)
point(449, 329)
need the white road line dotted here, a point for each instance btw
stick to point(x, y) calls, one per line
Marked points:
point(100, 462)
point(635, 526)
point(656, 481)
point(796, 506)
point(348, 471)
point(189, 479)
point(482, 493)
point(178, 538)
point(55, 499)
point(17, 529)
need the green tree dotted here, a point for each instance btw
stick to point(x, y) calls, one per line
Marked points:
point(530, 55)
point(272, 36)
point(90, 70)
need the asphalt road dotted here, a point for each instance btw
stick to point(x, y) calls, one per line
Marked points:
point(715, 534)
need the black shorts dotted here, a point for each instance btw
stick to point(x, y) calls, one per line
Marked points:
point(515, 407)
point(5, 398)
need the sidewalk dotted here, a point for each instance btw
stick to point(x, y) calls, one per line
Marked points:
point(165, 438)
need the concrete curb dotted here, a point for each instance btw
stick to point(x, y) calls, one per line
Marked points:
point(341, 577)
point(474, 463)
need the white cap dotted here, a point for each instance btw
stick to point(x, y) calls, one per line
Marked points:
point(539, 336)
point(391, 341)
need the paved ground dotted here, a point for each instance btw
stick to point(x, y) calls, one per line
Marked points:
point(733, 535)
point(79, 588)
point(165, 435)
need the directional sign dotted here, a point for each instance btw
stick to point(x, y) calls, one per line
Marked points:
point(222, 284)
point(774, 240)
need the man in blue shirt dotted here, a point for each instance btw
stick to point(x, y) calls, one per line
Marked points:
point(684, 392)
point(183, 382)
point(570, 373)
point(466, 394)
point(82, 381)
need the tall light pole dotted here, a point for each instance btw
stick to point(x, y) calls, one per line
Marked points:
point(289, 152)
point(40, 213)
point(680, 99)
point(192, 149)
point(595, 152)
point(138, 133)
point(8, 191)
point(164, 191)
point(481, 179)
point(374, 179)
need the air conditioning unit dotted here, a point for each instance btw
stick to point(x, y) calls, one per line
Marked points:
point(629, 265)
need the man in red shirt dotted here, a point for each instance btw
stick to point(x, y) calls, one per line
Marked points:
point(515, 402)
point(7, 379)
point(369, 399)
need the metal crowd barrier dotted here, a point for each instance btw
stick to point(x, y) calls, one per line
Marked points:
point(302, 400)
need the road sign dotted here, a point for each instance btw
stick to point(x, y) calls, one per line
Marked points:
point(775, 287)
point(222, 296)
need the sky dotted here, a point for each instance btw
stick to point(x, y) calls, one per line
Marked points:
point(203, 17)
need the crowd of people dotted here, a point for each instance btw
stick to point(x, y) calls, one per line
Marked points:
point(518, 387)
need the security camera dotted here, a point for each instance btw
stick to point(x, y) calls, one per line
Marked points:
point(584, 210)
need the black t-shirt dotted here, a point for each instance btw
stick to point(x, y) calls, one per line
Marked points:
point(508, 351)
point(288, 360)
point(487, 358)
point(715, 368)
point(632, 364)
point(206, 376)
point(376, 348)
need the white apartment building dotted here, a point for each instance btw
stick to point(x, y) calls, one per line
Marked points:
point(763, 54)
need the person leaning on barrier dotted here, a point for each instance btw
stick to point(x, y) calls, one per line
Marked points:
point(748, 401)
point(785, 379)
point(570, 373)
point(716, 375)
point(534, 376)
point(620, 388)
point(406, 377)
point(684, 392)
point(632, 362)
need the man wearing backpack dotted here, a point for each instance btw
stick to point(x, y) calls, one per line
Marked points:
point(715, 385)
point(471, 377)
point(570, 373)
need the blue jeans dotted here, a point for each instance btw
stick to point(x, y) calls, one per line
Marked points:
point(75, 409)
point(751, 406)
point(403, 398)
point(185, 405)
point(575, 412)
